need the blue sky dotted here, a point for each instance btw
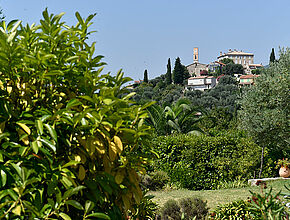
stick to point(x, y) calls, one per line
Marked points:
point(142, 34)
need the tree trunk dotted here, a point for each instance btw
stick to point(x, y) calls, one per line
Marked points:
point(262, 161)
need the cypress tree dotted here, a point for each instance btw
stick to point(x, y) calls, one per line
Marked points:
point(145, 76)
point(178, 72)
point(168, 79)
point(272, 56)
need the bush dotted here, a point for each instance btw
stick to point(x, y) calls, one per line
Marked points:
point(203, 162)
point(235, 210)
point(187, 208)
point(155, 181)
point(146, 209)
point(72, 141)
point(193, 207)
point(171, 210)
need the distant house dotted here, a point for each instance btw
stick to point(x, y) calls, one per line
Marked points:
point(240, 57)
point(201, 82)
point(248, 79)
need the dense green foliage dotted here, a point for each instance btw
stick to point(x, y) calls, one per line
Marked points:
point(227, 61)
point(265, 106)
point(72, 140)
point(231, 69)
point(180, 73)
point(235, 210)
point(202, 162)
point(264, 205)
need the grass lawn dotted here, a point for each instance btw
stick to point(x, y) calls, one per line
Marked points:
point(217, 197)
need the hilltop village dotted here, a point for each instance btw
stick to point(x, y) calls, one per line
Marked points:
point(202, 76)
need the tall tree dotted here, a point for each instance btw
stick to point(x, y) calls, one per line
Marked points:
point(145, 76)
point(168, 79)
point(178, 72)
point(265, 107)
point(272, 56)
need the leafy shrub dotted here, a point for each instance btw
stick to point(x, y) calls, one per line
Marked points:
point(155, 181)
point(146, 209)
point(171, 210)
point(236, 210)
point(202, 162)
point(262, 205)
point(238, 183)
point(193, 207)
point(72, 141)
point(265, 205)
point(187, 208)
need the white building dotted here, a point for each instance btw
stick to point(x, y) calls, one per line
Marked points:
point(201, 82)
point(240, 57)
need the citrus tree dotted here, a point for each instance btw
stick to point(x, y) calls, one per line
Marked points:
point(72, 141)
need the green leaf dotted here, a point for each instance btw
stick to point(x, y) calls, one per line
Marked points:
point(48, 143)
point(78, 16)
point(64, 216)
point(89, 206)
point(129, 95)
point(39, 126)
point(99, 215)
point(72, 103)
point(24, 127)
point(34, 146)
point(75, 204)
point(71, 163)
point(72, 58)
point(51, 131)
point(3, 178)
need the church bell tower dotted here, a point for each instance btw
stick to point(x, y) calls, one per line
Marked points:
point(195, 55)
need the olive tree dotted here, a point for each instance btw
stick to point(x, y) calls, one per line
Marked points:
point(265, 106)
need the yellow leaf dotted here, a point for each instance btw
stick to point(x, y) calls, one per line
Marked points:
point(118, 144)
point(101, 149)
point(82, 173)
point(120, 176)
point(77, 158)
point(133, 177)
point(2, 127)
point(112, 151)
point(9, 89)
point(24, 127)
point(126, 200)
point(137, 194)
point(17, 210)
point(107, 164)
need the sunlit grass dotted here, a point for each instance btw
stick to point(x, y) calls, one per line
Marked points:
point(216, 197)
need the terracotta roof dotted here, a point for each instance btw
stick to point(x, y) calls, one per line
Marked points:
point(249, 76)
point(220, 63)
point(198, 77)
point(256, 65)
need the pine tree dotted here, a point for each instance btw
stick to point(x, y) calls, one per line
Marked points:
point(272, 56)
point(168, 79)
point(145, 76)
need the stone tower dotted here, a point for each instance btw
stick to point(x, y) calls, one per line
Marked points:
point(195, 55)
